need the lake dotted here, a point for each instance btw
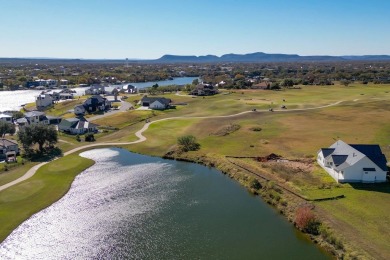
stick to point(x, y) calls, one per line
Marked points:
point(12, 100)
point(131, 206)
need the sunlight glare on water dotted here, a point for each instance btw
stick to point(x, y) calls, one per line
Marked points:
point(104, 200)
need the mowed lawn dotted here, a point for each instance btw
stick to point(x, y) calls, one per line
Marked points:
point(361, 217)
point(49, 184)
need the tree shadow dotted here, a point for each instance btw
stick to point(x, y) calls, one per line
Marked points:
point(48, 155)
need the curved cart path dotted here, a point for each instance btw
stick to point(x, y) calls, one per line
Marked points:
point(142, 138)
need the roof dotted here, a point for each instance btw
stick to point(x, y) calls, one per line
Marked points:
point(53, 117)
point(327, 151)
point(22, 120)
point(68, 123)
point(374, 153)
point(77, 123)
point(162, 100)
point(80, 107)
point(34, 113)
point(5, 142)
point(73, 119)
point(4, 115)
point(339, 159)
point(44, 95)
point(96, 99)
point(96, 87)
point(345, 155)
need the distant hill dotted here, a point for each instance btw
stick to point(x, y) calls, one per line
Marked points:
point(250, 57)
point(265, 57)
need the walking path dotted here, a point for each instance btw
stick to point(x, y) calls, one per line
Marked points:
point(142, 138)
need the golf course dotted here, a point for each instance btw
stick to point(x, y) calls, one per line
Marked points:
point(234, 129)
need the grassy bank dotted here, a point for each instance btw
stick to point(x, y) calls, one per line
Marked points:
point(48, 185)
point(15, 173)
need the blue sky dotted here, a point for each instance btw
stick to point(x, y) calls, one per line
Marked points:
point(148, 29)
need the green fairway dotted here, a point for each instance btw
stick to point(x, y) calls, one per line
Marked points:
point(49, 184)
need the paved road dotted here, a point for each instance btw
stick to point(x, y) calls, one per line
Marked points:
point(141, 138)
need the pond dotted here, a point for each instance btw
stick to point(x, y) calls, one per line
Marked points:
point(140, 207)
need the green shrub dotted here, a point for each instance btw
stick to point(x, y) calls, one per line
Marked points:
point(89, 137)
point(188, 143)
point(255, 184)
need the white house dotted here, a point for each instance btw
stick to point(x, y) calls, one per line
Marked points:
point(5, 118)
point(158, 105)
point(353, 162)
point(43, 100)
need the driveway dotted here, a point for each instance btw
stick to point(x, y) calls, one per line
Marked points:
point(124, 106)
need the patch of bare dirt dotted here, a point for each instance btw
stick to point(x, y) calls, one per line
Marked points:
point(226, 130)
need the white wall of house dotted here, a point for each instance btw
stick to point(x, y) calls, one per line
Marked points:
point(157, 105)
point(42, 101)
point(77, 131)
point(36, 120)
point(355, 172)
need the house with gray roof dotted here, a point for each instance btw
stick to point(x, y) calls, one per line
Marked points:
point(43, 101)
point(96, 103)
point(204, 90)
point(77, 126)
point(5, 118)
point(354, 162)
point(8, 150)
point(158, 103)
point(36, 117)
point(95, 90)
